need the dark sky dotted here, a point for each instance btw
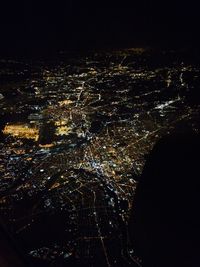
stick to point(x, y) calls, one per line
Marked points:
point(78, 24)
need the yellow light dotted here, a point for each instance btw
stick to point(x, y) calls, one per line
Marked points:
point(23, 131)
point(63, 130)
point(65, 102)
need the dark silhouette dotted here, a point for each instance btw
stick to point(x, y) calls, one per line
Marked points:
point(165, 223)
point(10, 254)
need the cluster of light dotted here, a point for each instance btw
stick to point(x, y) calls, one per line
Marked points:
point(65, 102)
point(22, 131)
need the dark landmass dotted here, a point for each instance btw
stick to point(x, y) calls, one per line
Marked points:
point(164, 223)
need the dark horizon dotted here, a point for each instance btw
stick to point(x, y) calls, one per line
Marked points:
point(31, 28)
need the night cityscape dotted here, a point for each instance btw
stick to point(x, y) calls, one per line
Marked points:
point(78, 121)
